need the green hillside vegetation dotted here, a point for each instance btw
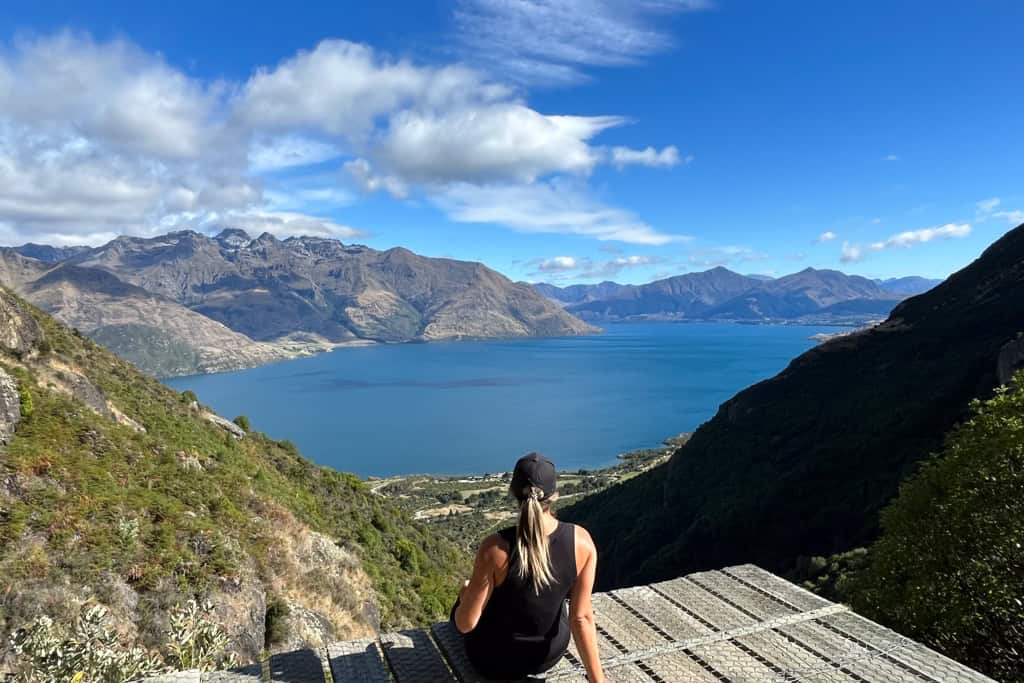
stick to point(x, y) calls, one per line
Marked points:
point(116, 490)
point(948, 569)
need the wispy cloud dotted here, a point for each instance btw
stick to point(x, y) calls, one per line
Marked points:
point(852, 253)
point(988, 205)
point(666, 158)
point(562, 268)
point(987, 209)
point(547, 207)
point(890, 157)
point(827, 236)
point(724, 256)
point(555, 41)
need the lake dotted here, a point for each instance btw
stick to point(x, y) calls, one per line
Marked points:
point(476, 406)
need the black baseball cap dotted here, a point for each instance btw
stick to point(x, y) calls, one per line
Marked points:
point(533, 469)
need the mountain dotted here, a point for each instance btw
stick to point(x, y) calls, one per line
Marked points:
point(48, 254)
point(720, 294)
point(159, 335)
point(117, 491)
point(908, 286)
point(269, 289)
point(800, 464)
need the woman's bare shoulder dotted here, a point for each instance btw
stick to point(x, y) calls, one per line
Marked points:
point(583, 539)
point(494, 546)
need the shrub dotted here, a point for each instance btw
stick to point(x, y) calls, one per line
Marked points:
point(949, 567)
point(196, 642)
point(25, 397)
point(189, 397)
point(92, 650)
point(90, 653)
point(243, 422)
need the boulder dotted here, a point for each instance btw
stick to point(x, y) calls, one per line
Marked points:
point(226, 425)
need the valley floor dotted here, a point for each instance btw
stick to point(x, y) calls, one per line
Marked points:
point(467, 508)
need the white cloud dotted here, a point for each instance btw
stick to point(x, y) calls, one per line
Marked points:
point(666, 158)
point(547, 207)
point(827, 236)
point(556, 264)
point(909, 238)
point(361, 171)
point(552, 41)
point(131, 100)
point(988, 205)
point(852, 253)
point(489, 143)
point(890, 157)
point(341, 87)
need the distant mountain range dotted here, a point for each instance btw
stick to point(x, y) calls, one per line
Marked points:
point(185, 302)
point(720, 294)
point(801, 464)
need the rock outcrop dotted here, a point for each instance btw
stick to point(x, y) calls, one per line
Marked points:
point(10, 406)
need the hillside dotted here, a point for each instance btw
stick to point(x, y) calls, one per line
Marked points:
point(158, 335)
point(801, 464)
point(818, 296)
point(119, 491)
point(269, 289)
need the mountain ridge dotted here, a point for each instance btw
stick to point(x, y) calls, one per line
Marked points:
point(256, 300)
point(810, 295)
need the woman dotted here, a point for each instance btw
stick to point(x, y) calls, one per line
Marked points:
point(512, 610)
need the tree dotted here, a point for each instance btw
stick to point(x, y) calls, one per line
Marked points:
point(949, 567)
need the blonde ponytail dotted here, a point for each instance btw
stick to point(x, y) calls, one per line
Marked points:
point(531, 541)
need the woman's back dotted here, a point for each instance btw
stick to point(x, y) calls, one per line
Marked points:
point(517, 610)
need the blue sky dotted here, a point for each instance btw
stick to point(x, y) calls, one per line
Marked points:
point(564, 141)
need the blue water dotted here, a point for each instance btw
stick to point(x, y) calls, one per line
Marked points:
point(472, 407)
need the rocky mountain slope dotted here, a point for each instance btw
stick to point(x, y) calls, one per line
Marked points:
point(117, 490)
point(271, 289)
point(157, 334)
point(721, 294)
point(801, 464)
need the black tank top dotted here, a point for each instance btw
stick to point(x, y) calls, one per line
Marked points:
point(519, 623)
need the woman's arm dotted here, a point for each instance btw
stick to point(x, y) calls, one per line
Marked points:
point(581, 611)
point(477, 591)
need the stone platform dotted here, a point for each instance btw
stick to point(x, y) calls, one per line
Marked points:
point(739, 624)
